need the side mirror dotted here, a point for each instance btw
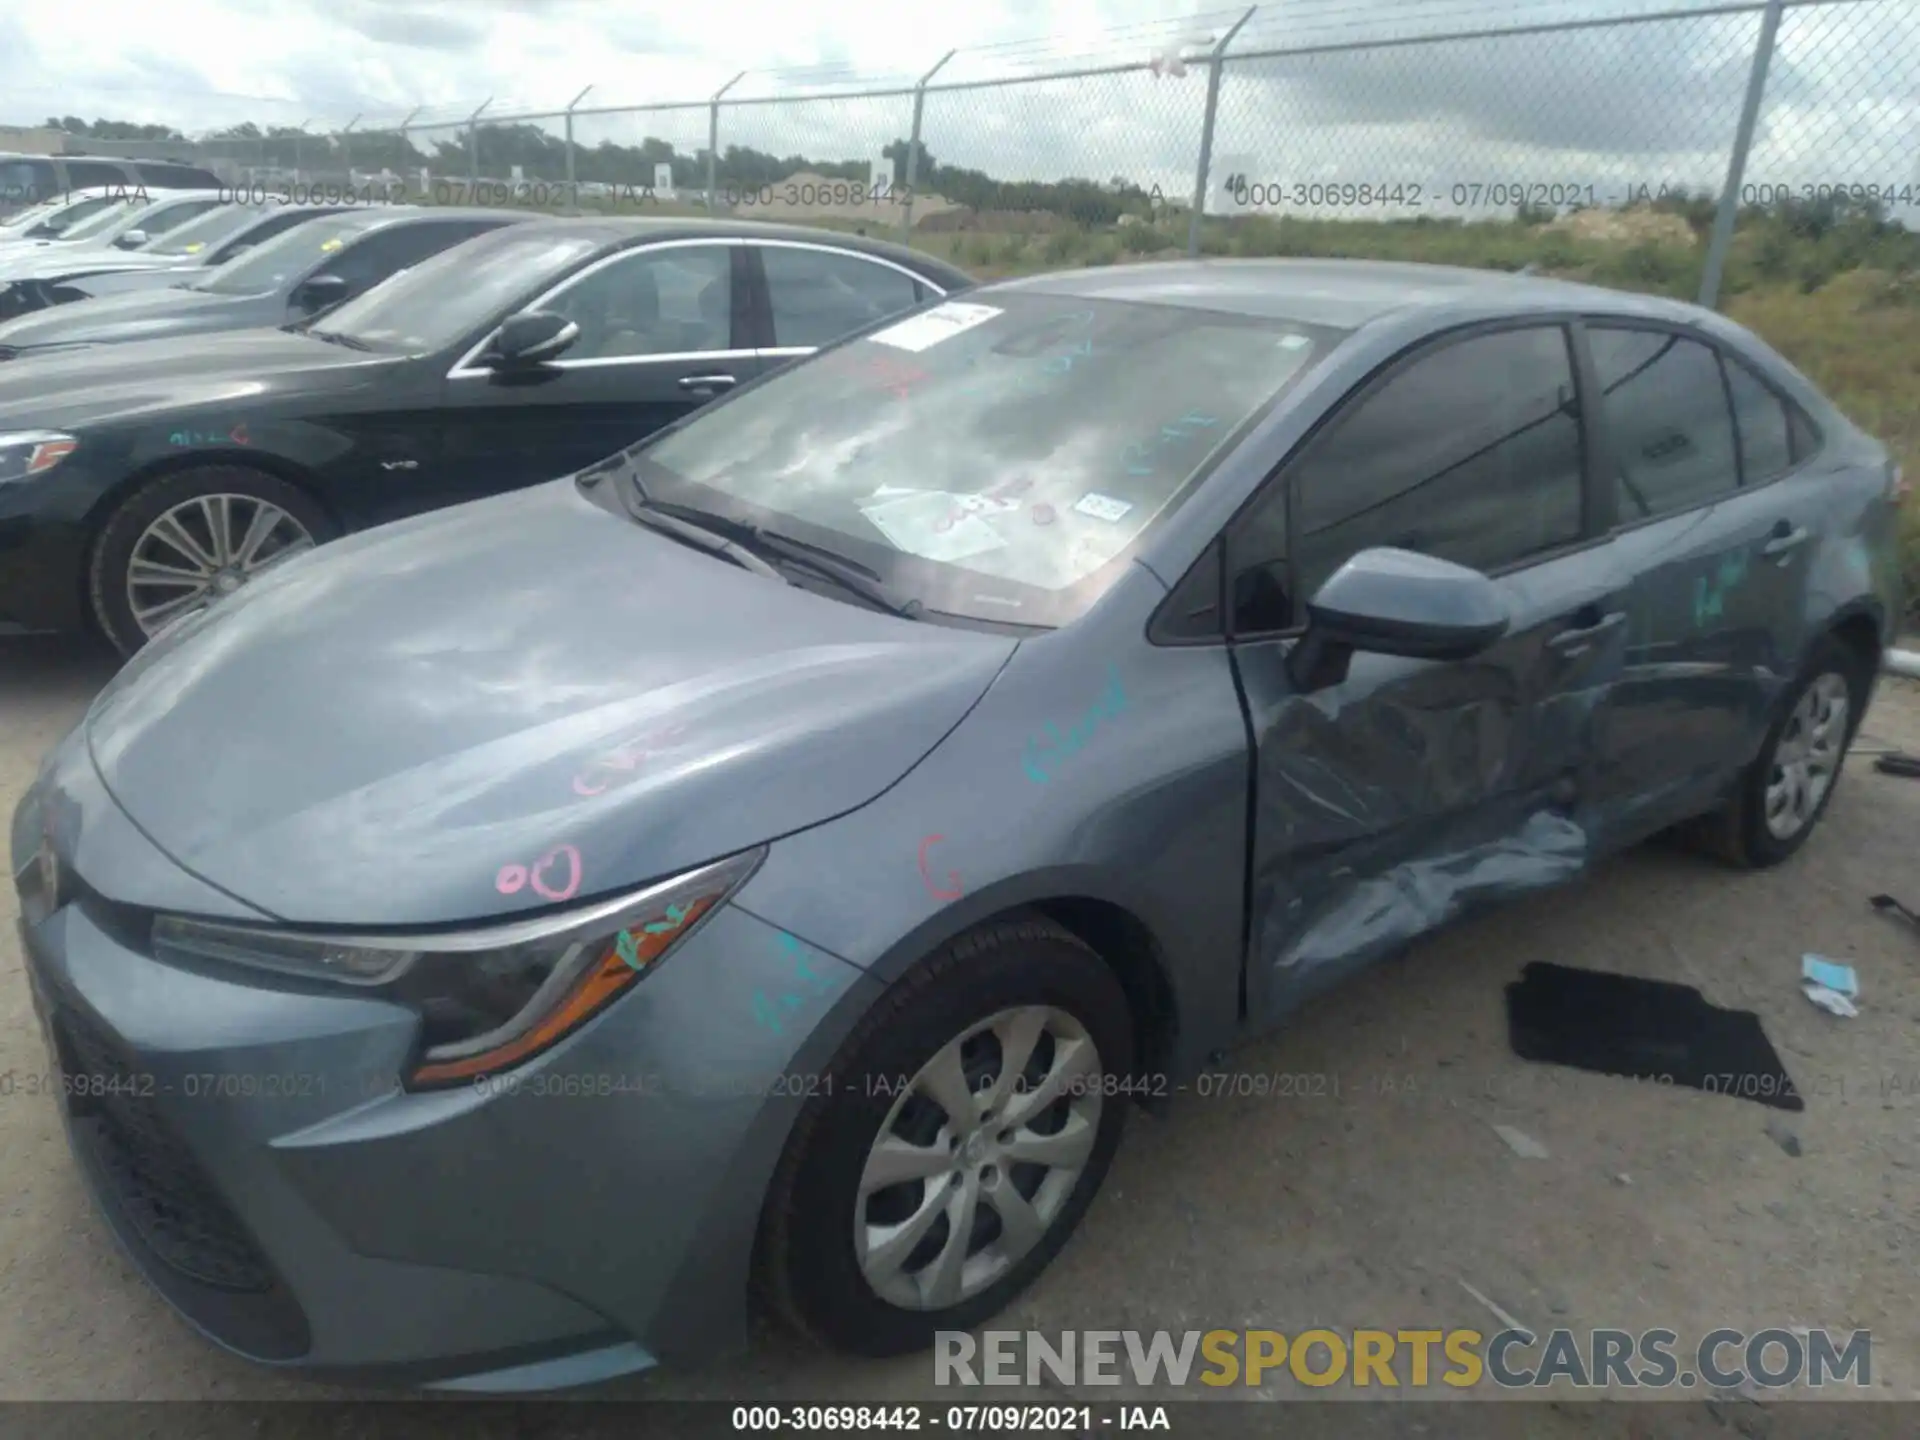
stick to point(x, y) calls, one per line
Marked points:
point(532, 337)
point(317, 292)
point(1395, 602)
point(133, 240)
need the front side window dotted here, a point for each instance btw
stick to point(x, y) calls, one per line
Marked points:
point(114, 216)
point(819, 295)
point(998, 460)
point(1668, 416)
point(672, 301)
point(452, 294)
point(165, 219)
point(1471, 453)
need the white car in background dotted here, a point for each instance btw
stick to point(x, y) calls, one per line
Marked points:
point(61, 274)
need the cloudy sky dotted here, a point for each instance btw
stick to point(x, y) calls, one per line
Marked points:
point(1648, 103)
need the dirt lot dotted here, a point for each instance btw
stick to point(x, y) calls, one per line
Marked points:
point(1655, 1207)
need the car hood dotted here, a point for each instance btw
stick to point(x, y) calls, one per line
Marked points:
point(58, 260)
point(63, 389)
point(521, 700)
point(148, 315)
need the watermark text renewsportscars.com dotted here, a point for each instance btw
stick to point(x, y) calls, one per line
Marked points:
point(1511, 1359)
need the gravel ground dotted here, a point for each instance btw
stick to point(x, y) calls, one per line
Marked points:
point(1376, 1208)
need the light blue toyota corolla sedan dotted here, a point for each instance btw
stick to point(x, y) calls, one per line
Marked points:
point(474, 950)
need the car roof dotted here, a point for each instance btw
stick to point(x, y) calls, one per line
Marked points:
point(616, 231)
point(372, 217)
point(1341, 294)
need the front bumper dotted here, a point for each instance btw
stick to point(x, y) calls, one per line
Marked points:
point(247, 1140)
point(43, 549)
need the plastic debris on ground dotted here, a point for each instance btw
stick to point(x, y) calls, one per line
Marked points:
point(1521, 1143)
point(1831, 986)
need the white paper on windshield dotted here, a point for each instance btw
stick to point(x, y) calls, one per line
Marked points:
point(1102, 507)
point(933, 526)
point(943, 322)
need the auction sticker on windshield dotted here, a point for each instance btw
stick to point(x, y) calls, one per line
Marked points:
point(943, 322)
point(934, 526)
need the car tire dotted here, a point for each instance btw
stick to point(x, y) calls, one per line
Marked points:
point(193, 498)
point(1744, 832)
point(997, 985)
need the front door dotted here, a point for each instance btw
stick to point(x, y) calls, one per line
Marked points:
point(1390, 801)
point(658, 329)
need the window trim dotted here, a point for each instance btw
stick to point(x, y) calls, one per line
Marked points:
point(465, 369)
point(754, 245)
point(1370, 385)
point(1723, 354)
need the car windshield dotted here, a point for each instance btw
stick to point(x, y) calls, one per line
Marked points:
point(1001, 461)
point(457, 292)
point(203, 232)
point(275, 263)
point(103, 219)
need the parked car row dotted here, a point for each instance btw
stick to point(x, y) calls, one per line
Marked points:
point(371, 364)
point(780, 839)
point(30, 180)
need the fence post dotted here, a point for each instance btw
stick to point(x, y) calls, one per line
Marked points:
point(573, 188)
point(473, 148)
point(299, 136)
point(1724, 217)
point(346, 146)
point(913, 147)
point(406, 144)
point(1215, 63)
point(713, 140)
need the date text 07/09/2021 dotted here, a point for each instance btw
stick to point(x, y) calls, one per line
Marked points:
point(960, 1419)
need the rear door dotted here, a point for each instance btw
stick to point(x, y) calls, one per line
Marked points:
point(1720, 567)
point(809, 295)
point(1392, 800)
point(663, 330)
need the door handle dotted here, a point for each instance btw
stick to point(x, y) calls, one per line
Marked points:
point(1786, 538)
point(698, 383)
point(1575, 641)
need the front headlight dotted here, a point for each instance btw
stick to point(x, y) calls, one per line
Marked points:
point(494, 998)
point(25, 453)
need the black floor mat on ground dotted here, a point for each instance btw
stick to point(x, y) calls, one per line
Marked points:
point(1647, 1029)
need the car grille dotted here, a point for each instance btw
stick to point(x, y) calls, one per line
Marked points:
point(157, 1185)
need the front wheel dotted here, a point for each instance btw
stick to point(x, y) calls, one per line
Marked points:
point(189, 539)
point(970, 1122)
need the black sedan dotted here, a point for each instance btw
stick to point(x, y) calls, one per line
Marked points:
point(289, 278)
point(140, 482)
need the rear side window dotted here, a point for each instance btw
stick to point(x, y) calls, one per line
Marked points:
point(819, 295)
point(1472, 453)
point(1667, 413)
point(1766, 439)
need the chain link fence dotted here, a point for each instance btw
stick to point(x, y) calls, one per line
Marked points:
point(1720, 139)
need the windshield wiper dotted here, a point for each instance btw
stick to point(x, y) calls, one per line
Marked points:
point(332, 337)
point(849, 575)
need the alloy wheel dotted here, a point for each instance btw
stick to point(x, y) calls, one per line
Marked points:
point(977, 1157)
point(203, 549)
point(1807, 756)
